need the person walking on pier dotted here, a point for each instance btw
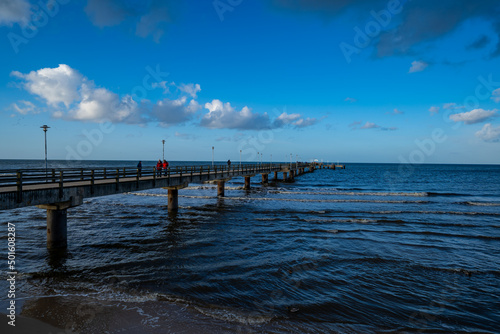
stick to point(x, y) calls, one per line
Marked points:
point(159, 165)
point(139, 168)
point(165, 166)
point(228, 163)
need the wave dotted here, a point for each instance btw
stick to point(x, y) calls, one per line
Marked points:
point(481, 203)
point(312, 200)
point(343, 193)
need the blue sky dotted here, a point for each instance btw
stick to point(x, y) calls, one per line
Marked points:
point(351, 81)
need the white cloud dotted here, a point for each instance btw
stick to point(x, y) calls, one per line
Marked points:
point(434, 110)
point(100, 104)
point(473, 116)
point(418, 66)
point(55, 85)
point(489, 133)
point(350, 99)
point(370, 125)
point(83, 101)
point(14, 11)
point(305, 122)
point(285, 119)
point(191, 89)
point(223, 115)
point(24, 107)
point(169, 112)
point(495, 96)
point(452, 106)
point(395, 112)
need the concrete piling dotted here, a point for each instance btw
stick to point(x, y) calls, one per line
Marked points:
point(173, 199)
point(220, 188)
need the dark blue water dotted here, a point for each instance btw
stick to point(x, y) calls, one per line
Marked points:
point(369, 249)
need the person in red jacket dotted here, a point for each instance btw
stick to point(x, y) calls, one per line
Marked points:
point(165, 166)
point(159, 165)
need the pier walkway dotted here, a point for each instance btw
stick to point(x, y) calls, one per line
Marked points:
point(57, 190)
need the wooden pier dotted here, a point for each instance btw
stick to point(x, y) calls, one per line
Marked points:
point(57, 190)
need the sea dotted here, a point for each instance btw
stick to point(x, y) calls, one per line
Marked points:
point(372, 248)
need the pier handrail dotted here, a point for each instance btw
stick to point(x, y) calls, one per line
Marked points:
point(60, 176)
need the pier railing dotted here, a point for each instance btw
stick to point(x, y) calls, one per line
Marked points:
point(61, 176)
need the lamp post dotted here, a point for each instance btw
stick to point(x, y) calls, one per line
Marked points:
point(291, 160)
point(271, 159)
point(296, 161)
point(261, 160)
point(240, 159)
point(212, 156)
point(163, 141)
point(258, 159)
point(45, 127)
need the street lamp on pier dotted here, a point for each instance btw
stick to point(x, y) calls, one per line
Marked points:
point(212, 156)
point(163, 141)
point(45, 127)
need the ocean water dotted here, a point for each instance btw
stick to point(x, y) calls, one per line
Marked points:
point(374, 248)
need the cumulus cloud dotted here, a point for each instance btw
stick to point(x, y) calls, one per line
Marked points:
point(495, 96)
point(14, 11)
point(350, 99)
point(100, 104)
point(433, 110)
point(473, 116)
point(191, 89)
point(418, 66)
point(55, 85)
point(148, 17)
point(370, 125)
point(489, 133)
point(224, 116)
point(83, 101)
point(169, 112)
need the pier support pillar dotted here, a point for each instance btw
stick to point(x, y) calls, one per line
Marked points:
point(265, 178)
point(57, 228)
point(57, 222)
point(285, 176)
point(276, 176)
point(173, 199)
point(247, 182)
point(173, 196)
point(220, 188)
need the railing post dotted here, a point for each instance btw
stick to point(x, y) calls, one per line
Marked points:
point(137, 178)
point(81, 174)
point(92, 181)
point(124, 172)
point(105, 176)
point(53, 176)
point(154, 177)
point(117, 179)
point(19, 187)
point(61, 184)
